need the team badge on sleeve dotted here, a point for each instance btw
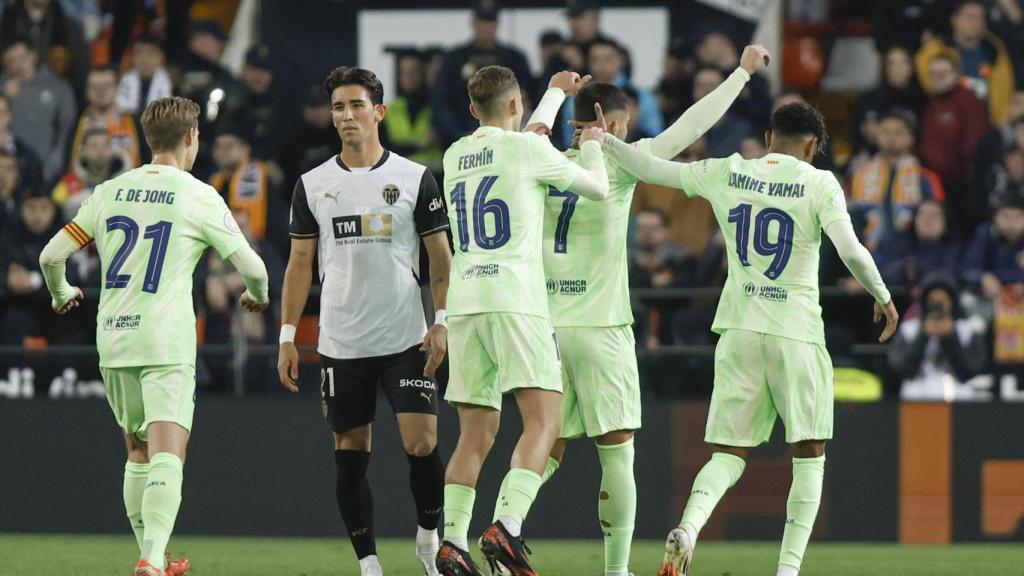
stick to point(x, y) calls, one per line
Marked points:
point(391, 194)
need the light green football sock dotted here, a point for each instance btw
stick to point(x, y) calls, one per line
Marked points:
point(616, 505)
point(801, 508)
point(135, 476)
point(519, 489)
point(458, 511)
point(711, 483)
point(160, 503)
point(549, 471)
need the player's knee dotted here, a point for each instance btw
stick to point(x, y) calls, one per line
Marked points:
point(420, 447)
point(809, 449)
point(355, 439)
point(615, 438)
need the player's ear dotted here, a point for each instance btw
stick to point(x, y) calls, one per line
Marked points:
point(380, 111)
point(768, 139)
point(810, 148)
point(472, 111)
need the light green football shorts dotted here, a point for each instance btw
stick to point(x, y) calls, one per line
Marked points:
point(761, 376)
point(600, 380)
point(497, 352)
point(141, 395)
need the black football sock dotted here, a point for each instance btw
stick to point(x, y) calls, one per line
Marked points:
point(355, 501)
point(426, 478)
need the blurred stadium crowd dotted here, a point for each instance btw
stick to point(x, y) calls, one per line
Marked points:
point(924, 99)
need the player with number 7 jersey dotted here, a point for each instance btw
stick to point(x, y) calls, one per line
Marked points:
point(151, 225)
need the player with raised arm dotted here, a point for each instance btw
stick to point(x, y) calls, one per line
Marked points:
point(367, 211)
point(588, 295)
point(771, 359)
point(501, 337)
point(151, 225)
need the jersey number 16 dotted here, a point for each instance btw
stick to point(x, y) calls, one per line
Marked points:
point(498, 210)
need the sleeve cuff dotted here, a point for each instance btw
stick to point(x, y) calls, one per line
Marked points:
point(742, 74)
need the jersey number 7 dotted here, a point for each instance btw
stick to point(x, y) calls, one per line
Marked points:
point(780, 249)
point(159, 233)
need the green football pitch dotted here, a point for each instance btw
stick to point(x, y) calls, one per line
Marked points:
point(37, 555)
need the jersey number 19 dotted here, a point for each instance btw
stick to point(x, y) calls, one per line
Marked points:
point(780, 249)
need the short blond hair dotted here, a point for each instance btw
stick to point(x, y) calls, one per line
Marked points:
point(166, 121)
point(488, 84)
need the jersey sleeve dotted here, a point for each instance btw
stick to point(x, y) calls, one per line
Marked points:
point(302, 223)
point(219, 227)
point(700, 178)
point(549, 165)
point(830, 201)
point(430, 214)
point(82, 227)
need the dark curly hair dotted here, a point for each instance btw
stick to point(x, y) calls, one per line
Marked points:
point(798, 120)
point(351, 76)
point(609, 96)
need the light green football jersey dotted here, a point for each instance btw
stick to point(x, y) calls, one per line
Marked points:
point(497, 184)
point(151, 225)
point(585, 258)
point(771, 211)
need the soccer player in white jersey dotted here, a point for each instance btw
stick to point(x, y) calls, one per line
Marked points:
point(771, 359)
point(500, 334)
point(366, 211)
point(588, 295)
point(151, 225)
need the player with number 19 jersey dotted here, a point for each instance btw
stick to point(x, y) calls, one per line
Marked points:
point(151, 225)
point(772, 211)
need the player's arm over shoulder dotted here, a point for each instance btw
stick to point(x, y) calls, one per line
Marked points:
point(545, 162)
point(703, 177)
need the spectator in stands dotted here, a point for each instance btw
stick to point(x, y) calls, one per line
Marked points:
point(56, 38)
point(584, 29)
point(223, 285)
point(996, 254)
point(409, 125)
point(42, 105)
point(999, 160)
point(205, 81)
point(717, 50)
point(656, 262)
point(726, 137)
point(28, 163)
point(260, 109)
point(102, 113)
point(95, 163)
point(10, 188)
point(898, 89)
point(313, 140)
point(887, 190)
point(607, 64)
point(22, 242)
point(147, 80)
point(905, 258)
point(451, 101)
point(246, 186)
point(985, 62)
point(552, 47)
point(953, 124)
point(1007, 21)
point(675, 89)
point(936, 350)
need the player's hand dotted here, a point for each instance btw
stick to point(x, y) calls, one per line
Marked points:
point(593, 133)
point(753, 57)
point(70, 304)
point(568, 82)
point(538, 128)
point(288, 366)
point(892, 317)
point(436, 345)
point(249, 303)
